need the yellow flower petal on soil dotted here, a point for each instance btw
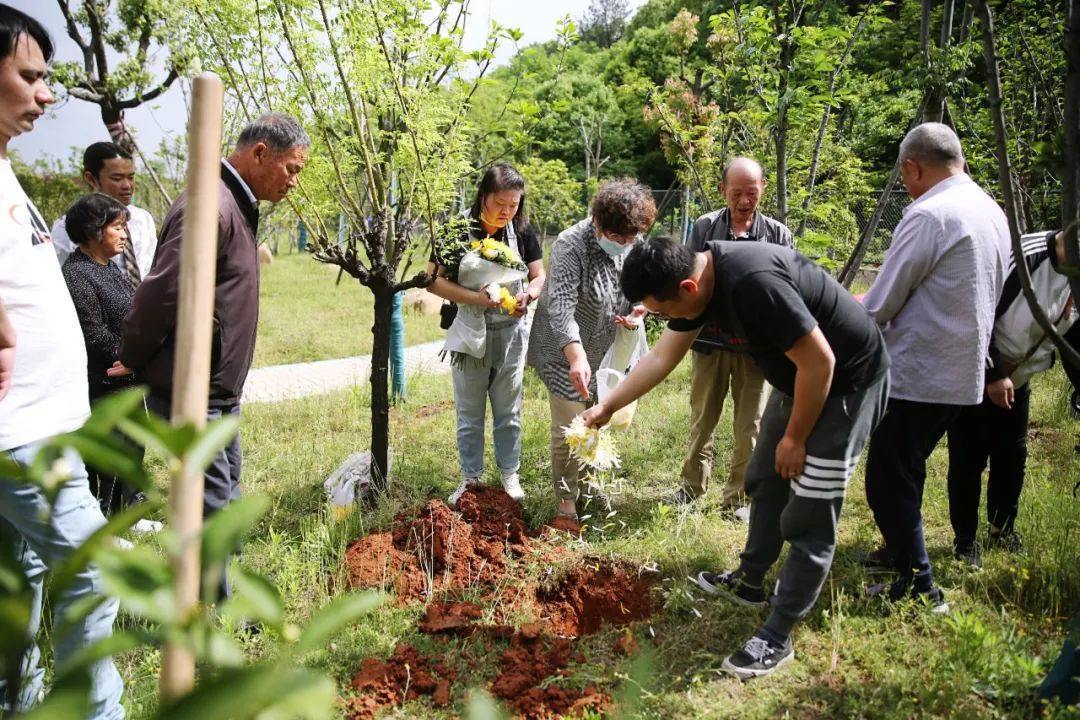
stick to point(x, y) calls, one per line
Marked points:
point(590, 446)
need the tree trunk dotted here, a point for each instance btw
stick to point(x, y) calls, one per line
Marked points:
point(1008, 190)
point(1070, 178)
point(380, 368)
point(935, 103)
point(787, 52)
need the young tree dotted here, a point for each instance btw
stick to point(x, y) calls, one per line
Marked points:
point(604, 22)
point(380, 86)
point(554, 196)
point(139, 29)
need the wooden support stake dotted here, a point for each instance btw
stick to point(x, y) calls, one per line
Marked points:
point(191, 375)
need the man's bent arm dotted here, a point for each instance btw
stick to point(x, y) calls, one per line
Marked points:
point(814, 362)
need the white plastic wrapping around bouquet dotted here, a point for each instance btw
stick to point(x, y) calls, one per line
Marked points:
point(629, 346)
point(349, 481)
point(468, 333)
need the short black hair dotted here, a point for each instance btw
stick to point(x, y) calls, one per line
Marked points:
point(500, 177)
point(88, 216)
point(93, 159)
point(655, 268)
point(14, 23)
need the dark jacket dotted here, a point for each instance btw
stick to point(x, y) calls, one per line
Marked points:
point(102, 296)
point(716, 226)
point(150, 328)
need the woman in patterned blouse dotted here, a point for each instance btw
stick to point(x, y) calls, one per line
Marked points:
point(97, 224)
point(578, 311)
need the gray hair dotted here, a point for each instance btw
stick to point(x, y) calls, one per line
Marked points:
point(280, 132)
point(932, 144)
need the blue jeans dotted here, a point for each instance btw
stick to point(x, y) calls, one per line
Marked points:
point(42, 543)
point(500, 379)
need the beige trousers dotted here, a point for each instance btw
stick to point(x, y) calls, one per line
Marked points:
point(711, 377)
point(565, 471)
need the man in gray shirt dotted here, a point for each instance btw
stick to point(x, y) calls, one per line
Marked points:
point(934, 299)
point(720, 360)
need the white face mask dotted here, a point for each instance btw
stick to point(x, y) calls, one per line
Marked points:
point(611, 247)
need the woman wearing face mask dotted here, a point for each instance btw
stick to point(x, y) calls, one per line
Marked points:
point(499, 212)
point(579, 310)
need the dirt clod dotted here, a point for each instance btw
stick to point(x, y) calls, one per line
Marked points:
point(531, 659)
point(592, 595)
point(405, 675)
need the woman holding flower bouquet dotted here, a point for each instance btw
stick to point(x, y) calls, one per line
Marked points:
point(579, 312)
point(492, 268)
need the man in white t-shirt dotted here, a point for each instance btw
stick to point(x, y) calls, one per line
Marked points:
point(109, 169)
point(46, 391)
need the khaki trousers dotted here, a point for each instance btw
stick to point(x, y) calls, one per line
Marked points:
point(565, 471)
point(711, 377)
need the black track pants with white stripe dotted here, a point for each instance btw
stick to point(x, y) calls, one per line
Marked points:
point(804, 511)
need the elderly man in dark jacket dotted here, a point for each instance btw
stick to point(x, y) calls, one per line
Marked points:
point(269, 155)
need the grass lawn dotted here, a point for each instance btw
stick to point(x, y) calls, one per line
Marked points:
point(303, 316)
point(853, 659)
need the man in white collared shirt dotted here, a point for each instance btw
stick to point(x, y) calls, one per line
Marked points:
point(109, 169)
point(934, 300)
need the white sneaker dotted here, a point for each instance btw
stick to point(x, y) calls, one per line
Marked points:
point(743, 514)
point(512, 485)
point(122, 543)
point(461, 488)
point(146, 527)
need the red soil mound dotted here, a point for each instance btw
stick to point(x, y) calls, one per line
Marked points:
point(593, 594)
point(435, 549)
point(406, 675)
point(531, 659)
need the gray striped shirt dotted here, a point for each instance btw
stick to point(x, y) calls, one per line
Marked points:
point(579, 303)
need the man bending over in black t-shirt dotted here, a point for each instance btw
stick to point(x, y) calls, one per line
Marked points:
point(827, 364)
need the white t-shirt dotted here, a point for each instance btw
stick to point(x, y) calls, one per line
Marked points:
point(48, 392)
point(143, 240)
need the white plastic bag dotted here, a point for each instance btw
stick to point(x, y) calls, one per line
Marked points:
point(475, 272)
point(351, 480)
point(468, 333)
point(629, 346)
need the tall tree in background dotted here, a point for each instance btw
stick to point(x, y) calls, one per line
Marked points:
point(604, 22)
point(383, 87)
point(137, 30)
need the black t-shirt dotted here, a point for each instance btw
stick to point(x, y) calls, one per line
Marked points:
point(528, 243)
point(767, 297)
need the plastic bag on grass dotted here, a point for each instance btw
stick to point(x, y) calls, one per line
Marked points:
point(629, 346)
point(350, 481)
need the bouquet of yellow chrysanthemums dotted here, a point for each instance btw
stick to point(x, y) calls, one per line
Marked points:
point(486, 263)
point(591, 447)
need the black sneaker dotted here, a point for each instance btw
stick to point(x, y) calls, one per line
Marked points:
point(729, 584)
point(758, 658)
point(934, 598)
point(968, 554)
point(880, 560)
